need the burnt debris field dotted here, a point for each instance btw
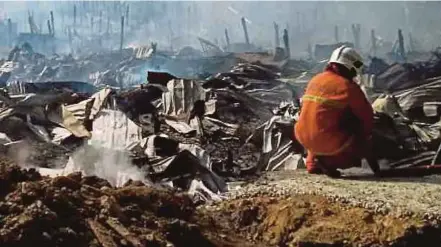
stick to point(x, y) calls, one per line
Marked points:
point(121, 125)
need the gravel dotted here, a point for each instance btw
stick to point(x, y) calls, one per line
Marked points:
point(399, 196)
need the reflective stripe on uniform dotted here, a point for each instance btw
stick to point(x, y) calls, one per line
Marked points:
point(323, 100)
point(341, 149)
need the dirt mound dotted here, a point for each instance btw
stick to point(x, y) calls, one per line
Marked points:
point(306, 220)
point(11, 175)
point(86, 211)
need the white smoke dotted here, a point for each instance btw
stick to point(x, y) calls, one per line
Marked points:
point(113, 165)
point(106, 154)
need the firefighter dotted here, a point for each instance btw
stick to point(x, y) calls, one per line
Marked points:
point(336, 120)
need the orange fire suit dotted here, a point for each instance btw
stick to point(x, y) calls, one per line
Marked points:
point(328, 97)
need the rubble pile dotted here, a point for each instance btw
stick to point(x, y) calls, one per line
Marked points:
point(228, 126)
point(194, 135)
point(245, 98)
point(75, 210)
point(114, 68)
point(202, 151)
point(117, 166)
point(406, 100)
point(400, 76)
point(190, 134)
point(87, 70)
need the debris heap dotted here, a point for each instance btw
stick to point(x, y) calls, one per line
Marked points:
point(75, 210)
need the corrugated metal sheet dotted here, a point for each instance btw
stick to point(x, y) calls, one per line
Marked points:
point(66, 119)
point(99, 99)
point(81, 110)
point(416, 96)
point(181, 96)
point(114, 130)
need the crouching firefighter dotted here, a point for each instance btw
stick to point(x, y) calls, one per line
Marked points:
point(336, 120)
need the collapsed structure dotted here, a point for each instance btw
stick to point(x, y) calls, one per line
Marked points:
point(195, 134)
point(108, 138)
point(123, 117)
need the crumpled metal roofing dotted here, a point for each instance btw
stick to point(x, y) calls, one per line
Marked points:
point(416, 96)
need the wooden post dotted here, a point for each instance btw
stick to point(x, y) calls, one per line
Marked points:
point(63, 27)
point(49, 27)
point(286, 43)
point(108, 24)
point(311, 55)
point(75, 16)
point(81, 16)
point(227, 38)
point(122, 34)
point(358, 28)
point(356, 33)
point(9, 32)
point(299, 27)
point(189, 18)
point(171, 34)
point(277, 36)
point(374, 43)
point(411, 42)
point(70, 40)
point(127, 15)
point(31, 29)
point(245, 31)
point(401, 44)
point(100, 22)
point(336, 36)
point(303, 22)
point(52, 23)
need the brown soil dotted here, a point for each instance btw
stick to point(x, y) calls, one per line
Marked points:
point(306, 220)
point(86, 211)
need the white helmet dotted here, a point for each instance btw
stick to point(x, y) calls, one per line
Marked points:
point(347, 57)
